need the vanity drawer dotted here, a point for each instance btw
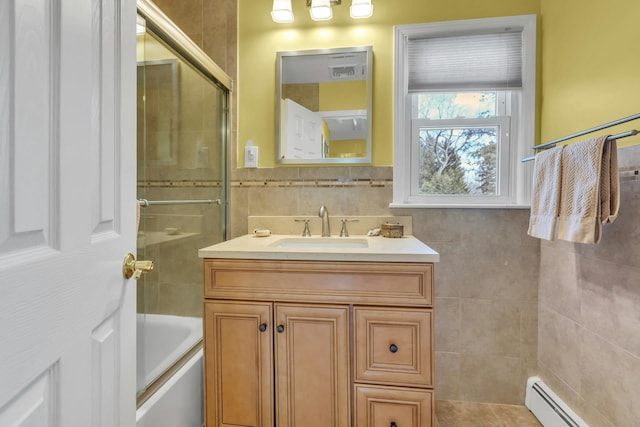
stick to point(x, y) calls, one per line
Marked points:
point(392, 406)
point(394, 346)
point(374, 283)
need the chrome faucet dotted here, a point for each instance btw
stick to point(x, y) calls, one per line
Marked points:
point(324, 214)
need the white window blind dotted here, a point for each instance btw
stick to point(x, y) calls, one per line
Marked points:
point(479, 62)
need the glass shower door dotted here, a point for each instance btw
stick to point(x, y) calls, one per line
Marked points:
point(182, 138)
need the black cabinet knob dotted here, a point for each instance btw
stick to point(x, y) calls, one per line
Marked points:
point(393, 348)
point(393, 424)
point(263, 327)
point(280, 328)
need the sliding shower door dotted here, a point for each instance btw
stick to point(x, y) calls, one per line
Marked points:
point(182, 185)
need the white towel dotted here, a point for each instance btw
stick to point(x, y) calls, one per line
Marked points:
point(589, 195)
point(545, 201)
point(610, 185)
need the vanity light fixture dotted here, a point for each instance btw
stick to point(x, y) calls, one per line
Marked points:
point(282, 12)
point(320, 10)
point(361, 9)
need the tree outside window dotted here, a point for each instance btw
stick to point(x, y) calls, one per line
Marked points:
point(457, 159)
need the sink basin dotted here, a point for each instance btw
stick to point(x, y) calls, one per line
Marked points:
point(320, 242)
point(316, 248)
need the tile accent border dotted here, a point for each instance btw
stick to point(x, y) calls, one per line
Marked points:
point(314, 183)
point(185, 183)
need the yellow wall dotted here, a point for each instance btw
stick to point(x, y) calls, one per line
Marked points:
point(259, 38)
point(350, 95)
point(590, 65)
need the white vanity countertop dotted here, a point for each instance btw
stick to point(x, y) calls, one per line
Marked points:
point(382, 249)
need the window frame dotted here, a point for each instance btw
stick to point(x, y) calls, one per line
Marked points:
point(521, 132)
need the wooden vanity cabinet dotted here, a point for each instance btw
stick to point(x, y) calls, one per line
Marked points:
point(317, 344)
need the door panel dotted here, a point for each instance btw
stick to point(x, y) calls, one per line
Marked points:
point(312, 354)
point(67, 217)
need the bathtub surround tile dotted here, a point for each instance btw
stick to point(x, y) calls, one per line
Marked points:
point(180, 299)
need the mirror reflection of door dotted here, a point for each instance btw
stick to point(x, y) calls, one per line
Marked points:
point(302, 129)
point(324, 106)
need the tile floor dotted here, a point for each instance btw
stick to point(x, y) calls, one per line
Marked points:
point(450, 413)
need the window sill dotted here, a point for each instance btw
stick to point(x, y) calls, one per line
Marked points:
point(455, 206)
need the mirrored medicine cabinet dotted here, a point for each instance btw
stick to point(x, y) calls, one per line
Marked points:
point(323, 106)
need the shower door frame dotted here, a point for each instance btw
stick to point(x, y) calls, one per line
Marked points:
point(175, 39)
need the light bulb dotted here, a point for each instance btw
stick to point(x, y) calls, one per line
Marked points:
point(361, 9)
point(320, 10)
point(281, 11)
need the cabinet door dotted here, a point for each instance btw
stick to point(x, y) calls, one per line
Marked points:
point(312, 366)
point(238, 364)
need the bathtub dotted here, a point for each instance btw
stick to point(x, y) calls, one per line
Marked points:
point(162, 339)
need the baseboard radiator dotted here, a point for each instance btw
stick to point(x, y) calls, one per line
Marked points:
point(550, 410)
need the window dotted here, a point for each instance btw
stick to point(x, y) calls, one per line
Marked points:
point(464, 113)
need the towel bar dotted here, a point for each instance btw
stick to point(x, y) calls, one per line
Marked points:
point(632, 132)
point(144, 203)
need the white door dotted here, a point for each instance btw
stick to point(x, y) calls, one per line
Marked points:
point(67, 212)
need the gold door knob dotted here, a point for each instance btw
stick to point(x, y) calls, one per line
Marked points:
point(131, 267)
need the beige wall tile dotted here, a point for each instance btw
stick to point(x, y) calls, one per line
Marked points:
point(559, 289)
point(448, 382)
point(619, 241)
point(559, 346)
point(491, 379)
point(494, 225)
point(437, 225)
point(490, 327)
point(589, 312)
point(610, 380)
point(447, 271)
point(447, 314)
point(610, 301)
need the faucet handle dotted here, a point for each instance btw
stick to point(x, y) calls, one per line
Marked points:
point(344, 232)
point(305, 232)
